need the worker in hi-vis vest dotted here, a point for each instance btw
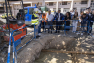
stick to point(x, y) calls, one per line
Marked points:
point(40, 20)
point(43, 20)
point(34, 19)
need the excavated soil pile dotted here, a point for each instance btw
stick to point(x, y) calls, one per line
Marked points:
point(47, 41)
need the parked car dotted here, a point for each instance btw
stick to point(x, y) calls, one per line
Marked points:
point(5, 15)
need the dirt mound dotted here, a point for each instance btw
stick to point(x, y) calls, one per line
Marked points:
point(33, 50)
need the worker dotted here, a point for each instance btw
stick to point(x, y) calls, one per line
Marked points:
point(20, 14)
point(44, 20)
point(50, 18)
point(91, 22)
point(40, 20)
point(74, 23)
point(59, 21)
point(83, 22)
point(34, 16)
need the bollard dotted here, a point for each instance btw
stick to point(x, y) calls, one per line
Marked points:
point(13, 54)
point(13, 49)
point(9, 49)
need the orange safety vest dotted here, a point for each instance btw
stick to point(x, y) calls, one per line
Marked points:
point(44, 17)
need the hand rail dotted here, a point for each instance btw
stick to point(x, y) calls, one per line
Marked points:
point(87, 22)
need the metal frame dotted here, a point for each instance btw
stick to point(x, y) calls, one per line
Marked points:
point(17, 42)
point(69, 26)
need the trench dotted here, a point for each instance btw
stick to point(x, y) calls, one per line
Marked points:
point(40, 50)
point(47, 42)
point(57, 43)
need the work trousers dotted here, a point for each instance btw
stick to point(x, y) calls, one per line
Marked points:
point(83, 27)
point(39, 27)
point(50, 23)
point(74, 26)
point(43, 23)
point(89, 28)
point(58, 25)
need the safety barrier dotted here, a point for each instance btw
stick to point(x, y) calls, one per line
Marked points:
point(65, 26)
point(17, 42)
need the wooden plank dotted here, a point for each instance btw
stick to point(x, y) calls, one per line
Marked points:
point(73, 52)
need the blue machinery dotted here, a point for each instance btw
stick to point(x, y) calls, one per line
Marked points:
point(16, 43)
point(28, 14)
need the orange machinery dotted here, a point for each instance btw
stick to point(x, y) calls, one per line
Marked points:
point(20, 25)
point(17, 25)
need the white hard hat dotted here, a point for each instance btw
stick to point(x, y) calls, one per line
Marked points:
point(85, 11)
point(43, 11)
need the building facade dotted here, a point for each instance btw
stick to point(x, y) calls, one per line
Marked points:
point(53, 5)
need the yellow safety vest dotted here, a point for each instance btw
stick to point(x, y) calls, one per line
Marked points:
point(35, 15)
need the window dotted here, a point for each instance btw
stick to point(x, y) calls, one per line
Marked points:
point(14, 8)
point(82, 9)
point(83, 2)
point(31, 10)
point(59, 9)
point(64, 3)
point(0, 5)
point(92, 9)
point(25, 11)
point(65, 10)
point(51, 3)
point(91, 0)
point(91, 3)
point(17, 8)
point(54, 9)
point(74, 9)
